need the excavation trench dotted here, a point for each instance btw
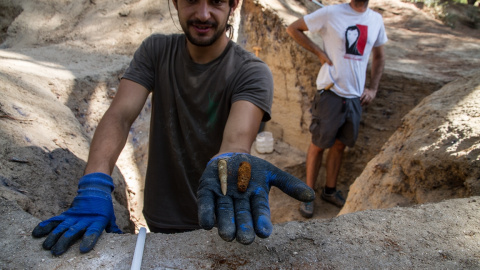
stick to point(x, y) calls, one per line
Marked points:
point(261, 31)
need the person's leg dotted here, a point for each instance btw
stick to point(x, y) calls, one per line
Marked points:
point(313, 164)
point(333, 163)
point(326, 120)
point(346, 136)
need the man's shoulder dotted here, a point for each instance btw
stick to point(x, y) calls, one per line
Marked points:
point(342, 7)
point(374, 13)
point(345, 8)
point(242, 62)
point(244, 56)
point(330, 12)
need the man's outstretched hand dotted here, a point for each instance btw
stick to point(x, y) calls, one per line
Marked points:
point(239, 214)
point(91, 213)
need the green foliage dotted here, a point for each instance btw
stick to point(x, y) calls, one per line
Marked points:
point(474, 18)
point(452, 12)
point(434, 3)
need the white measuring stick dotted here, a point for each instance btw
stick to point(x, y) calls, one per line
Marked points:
point(137, 256)
point(318, 3)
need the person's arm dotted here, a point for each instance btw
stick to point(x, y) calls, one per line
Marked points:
point(242, 213)
point(241, 128)
point(112, 131)
point(296, 31)
point(378, 63)
point(92, 211)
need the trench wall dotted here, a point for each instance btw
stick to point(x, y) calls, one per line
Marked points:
point(295, 69)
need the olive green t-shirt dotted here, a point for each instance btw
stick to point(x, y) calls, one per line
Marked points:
point(190, 107)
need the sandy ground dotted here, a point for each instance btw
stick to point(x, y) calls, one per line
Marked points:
point(433, 236)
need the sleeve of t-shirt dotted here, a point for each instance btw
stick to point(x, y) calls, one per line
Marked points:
point(382, 36)
point(255, 84)
point(316, 20)
point(141, 69)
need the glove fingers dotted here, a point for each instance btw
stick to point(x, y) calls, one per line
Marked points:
point(53, 237)
point(206, 208)
point(245, 232)
point(112, 227)
point(91, 236)
point(292, 186)
point(45, 227)
point(73, 233)
point(261, 215)
point(226, 218)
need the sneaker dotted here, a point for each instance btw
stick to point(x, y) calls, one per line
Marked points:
point(306, 209)
point(335, 198)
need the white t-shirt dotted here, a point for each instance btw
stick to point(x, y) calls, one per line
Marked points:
point(348, 38)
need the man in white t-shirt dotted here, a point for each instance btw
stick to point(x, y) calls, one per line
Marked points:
point(350, 32)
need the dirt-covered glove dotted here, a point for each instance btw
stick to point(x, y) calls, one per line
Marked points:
point(240, 214)
point(91, 213)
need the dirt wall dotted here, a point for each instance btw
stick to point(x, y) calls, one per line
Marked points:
point(433, 156)
point(445, 235)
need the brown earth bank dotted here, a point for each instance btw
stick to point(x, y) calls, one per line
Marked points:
point(59, 68)
point(444, 235)
point(434, 155)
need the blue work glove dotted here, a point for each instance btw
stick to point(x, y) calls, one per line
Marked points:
point(91, 213)
point(241, 215)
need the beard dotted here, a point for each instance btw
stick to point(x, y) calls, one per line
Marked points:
point(359, 3)
point(219, 30)
point(200, 40)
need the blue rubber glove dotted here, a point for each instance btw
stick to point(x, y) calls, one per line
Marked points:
point(241, 215)
point(91, 213)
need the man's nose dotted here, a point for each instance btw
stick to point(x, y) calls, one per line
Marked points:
point(203, 11)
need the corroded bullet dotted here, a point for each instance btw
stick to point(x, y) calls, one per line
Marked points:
point(244, 174)
point(222, 174)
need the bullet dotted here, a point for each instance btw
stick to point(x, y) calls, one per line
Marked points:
point(222, 174)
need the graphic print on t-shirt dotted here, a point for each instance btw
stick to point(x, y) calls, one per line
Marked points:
point(356, 39)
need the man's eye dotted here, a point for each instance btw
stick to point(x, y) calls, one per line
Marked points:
point(218, 2)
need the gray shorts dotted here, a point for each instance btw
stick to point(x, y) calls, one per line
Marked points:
point(334, 117)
